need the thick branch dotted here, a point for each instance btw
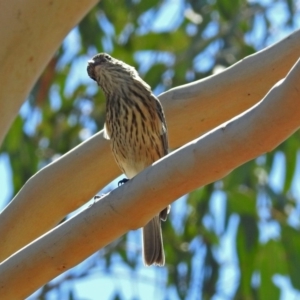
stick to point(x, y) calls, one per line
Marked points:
point(198, 107)
point(200, 162)
point(192, 109)
point(31, 33)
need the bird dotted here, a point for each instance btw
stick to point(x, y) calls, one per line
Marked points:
point(135, 124)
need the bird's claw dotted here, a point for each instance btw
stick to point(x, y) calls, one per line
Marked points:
point(123, 181)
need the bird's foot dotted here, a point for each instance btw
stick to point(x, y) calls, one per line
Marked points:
point(123, 181)
point(97, 197)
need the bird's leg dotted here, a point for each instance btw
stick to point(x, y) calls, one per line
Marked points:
point(123, 181)
point(97, 197)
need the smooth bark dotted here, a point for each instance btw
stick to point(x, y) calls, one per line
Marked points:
point(31, 32)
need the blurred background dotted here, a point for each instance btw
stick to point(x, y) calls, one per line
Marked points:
point(238, 238)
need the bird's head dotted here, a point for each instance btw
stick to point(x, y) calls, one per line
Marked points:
point(111, 73)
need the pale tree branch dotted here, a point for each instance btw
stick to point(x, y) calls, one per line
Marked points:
point(31, 33)
point(191, 110)
point(131, 206)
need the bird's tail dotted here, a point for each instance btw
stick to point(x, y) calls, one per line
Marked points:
point(153, 249)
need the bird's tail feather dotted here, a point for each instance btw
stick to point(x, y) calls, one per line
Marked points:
point(153, 249)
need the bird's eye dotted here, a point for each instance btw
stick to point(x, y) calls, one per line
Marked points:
point(107, 57)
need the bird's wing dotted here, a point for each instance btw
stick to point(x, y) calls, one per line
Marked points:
point(164, 131)
point(164, 137)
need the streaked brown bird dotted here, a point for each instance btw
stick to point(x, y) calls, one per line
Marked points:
point(136, 125)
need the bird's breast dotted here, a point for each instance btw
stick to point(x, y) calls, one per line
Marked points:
point(135, 137)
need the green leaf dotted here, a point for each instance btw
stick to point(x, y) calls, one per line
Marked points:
point(291, 242)
point(291, 147)
point(228, 8)
point(153, 76)
point(271, 260)
point(242, 201)
point(247, 245)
